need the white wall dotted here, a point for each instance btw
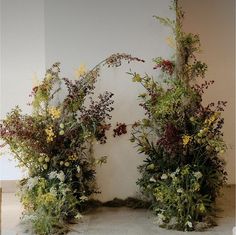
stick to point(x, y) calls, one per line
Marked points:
point(214, 21)
point(22, 55)
point(86, 31)
point(89, 31)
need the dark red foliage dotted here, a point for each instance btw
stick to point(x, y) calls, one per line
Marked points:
point(166, 66)
point(120, 129)
point(170, 138)
point(116, 59)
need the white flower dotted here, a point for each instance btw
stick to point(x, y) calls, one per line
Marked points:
point(64, 190)
point(164, 177)
point(179, 190)
point(189, 224)
point(160, 219)
point(83, 198)
point(61, 176)
point(78, 169)
point(52, 175)
point(152, 179)
point(53, 191)
point(28, 217)
point(32, 182)
point(78, 216)
point(198, 175)
point(177, 170)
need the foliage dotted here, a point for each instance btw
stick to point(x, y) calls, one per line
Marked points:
point(54, 144)
point(182, 139)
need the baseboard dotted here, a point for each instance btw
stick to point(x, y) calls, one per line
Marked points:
point(10, 186)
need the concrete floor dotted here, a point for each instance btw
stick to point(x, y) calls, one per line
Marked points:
point(121, 221)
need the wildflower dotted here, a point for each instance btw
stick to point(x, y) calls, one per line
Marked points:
point(73, 157)
point(48, 76)
point(53, 191)
point(197, 175)
point(67, 164)
point(61, 176)
point(186, 139)
point(50, 134)
point(160, 219)
point(83, 198)
point(150, 166)
point(61, 132)
point(196, 186)
point(177, 170)
point(189, 224)
point(54, 112)
point(164, 177)
point(32, 182)
point(137, 78)
point(78, 216)
point(202, 208)
point(62, 125)
point(180, 190)
point(185, 170)
point(52, 175)
point(78, 169)
point(152, 179)
point(81, 71)
point(48, 198)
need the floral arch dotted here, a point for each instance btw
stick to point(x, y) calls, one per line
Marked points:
point(182, 173)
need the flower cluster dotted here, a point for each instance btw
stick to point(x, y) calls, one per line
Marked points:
point(54, 112)
point(181, 138)
point(165, 65)
point(54, 144)
point(120, 129)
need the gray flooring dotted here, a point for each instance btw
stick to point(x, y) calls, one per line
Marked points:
point(123, 221)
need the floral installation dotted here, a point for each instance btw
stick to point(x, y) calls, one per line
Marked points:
point(182, 139)
point(54, 144)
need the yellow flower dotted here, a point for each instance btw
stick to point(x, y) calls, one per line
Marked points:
point(48, 76)
point(212, 118)
point(81, 71)
point(50, 134)
point(171, 42)
point(48, 198)
point(54, 112)
point(186, 139)
point(73, 157)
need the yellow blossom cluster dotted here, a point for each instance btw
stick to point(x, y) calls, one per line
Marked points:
point(48, 198)
point(81, 71)
point(212, 118)
point(73, 157)
point(186, 139)
point(50, 134)
point(54, 112)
